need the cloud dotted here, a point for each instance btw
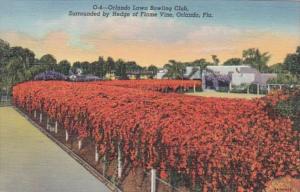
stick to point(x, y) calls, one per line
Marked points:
point(146, 40)
point(56, 43)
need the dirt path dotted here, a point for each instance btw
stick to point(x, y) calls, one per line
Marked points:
point(30, 162)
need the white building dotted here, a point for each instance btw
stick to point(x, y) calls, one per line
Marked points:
point(243, 74)
point(161, 73)
point(190, 73)
point(239, 74)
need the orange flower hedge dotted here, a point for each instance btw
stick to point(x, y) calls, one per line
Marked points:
point(216, 143)
point(155, 85)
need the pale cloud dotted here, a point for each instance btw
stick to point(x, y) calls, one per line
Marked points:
point(56, 43)
point(147, 41)
point(213, 33)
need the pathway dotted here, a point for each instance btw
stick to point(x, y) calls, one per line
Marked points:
point(31, 162)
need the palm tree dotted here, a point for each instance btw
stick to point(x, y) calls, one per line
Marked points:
point(202, 63)
point(215, 59)
point(233, 61)
point(175, 69)
point(256, 59)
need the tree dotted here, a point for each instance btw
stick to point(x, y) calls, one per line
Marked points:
point(4, 57)
point(256, 59)
point(63, 67)
point(110, 64)
point(86, 67)
point(120, 66)
point(233, 61)
point(22, 65)
point(153, 69)
point(34, 70)
point(14, 72)
point(283, 78)
point(15, 64)
point(276, 68)
point(175, 69)
point(4, 53)
point(100, 67)
point(132, 66)
point(202, 63)
point(27, 56)
point(49, 61)
point(215, 59)
point(292, 62)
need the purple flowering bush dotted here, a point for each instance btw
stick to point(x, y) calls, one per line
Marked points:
point(217, 80)
point(50, 75)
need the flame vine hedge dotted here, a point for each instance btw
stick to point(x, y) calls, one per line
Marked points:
point(217, 144)
point(155, 85)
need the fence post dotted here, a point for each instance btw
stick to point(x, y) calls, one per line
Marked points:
point(280, 86)
point(96, 153)
point(35, 114)
point(194, 88)
point(257, 89)
point(269, 89)
point(41, 117)
point(79, 144)
point(67, 135)
point(56, 127)
point(104, 165)
point(119, 162)
point(47, 124)
point(153, 180)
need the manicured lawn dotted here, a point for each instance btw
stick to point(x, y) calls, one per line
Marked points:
point(225, 95)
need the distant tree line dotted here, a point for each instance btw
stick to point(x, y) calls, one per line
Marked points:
point(19, 64)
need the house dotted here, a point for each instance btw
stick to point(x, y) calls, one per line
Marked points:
point(226, 76)
point(110, 75)
point(242, 74)
point(161, 73)
point(140, 74)
point(193, 73)
point(84, 77)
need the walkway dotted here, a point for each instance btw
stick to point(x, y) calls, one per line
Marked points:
point(30, 162)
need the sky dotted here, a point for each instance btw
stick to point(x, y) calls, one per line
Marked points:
point(45, 27)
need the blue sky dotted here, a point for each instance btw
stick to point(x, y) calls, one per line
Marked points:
point(235, 25)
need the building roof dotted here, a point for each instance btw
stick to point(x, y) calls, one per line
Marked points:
point(140, 72)
point(225, 69)
point(161, 73)
point(192, 72)
point(262, 78)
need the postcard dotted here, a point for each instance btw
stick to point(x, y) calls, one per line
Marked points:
point(149, 96)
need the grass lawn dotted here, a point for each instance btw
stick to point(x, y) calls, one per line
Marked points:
point(225, 95)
